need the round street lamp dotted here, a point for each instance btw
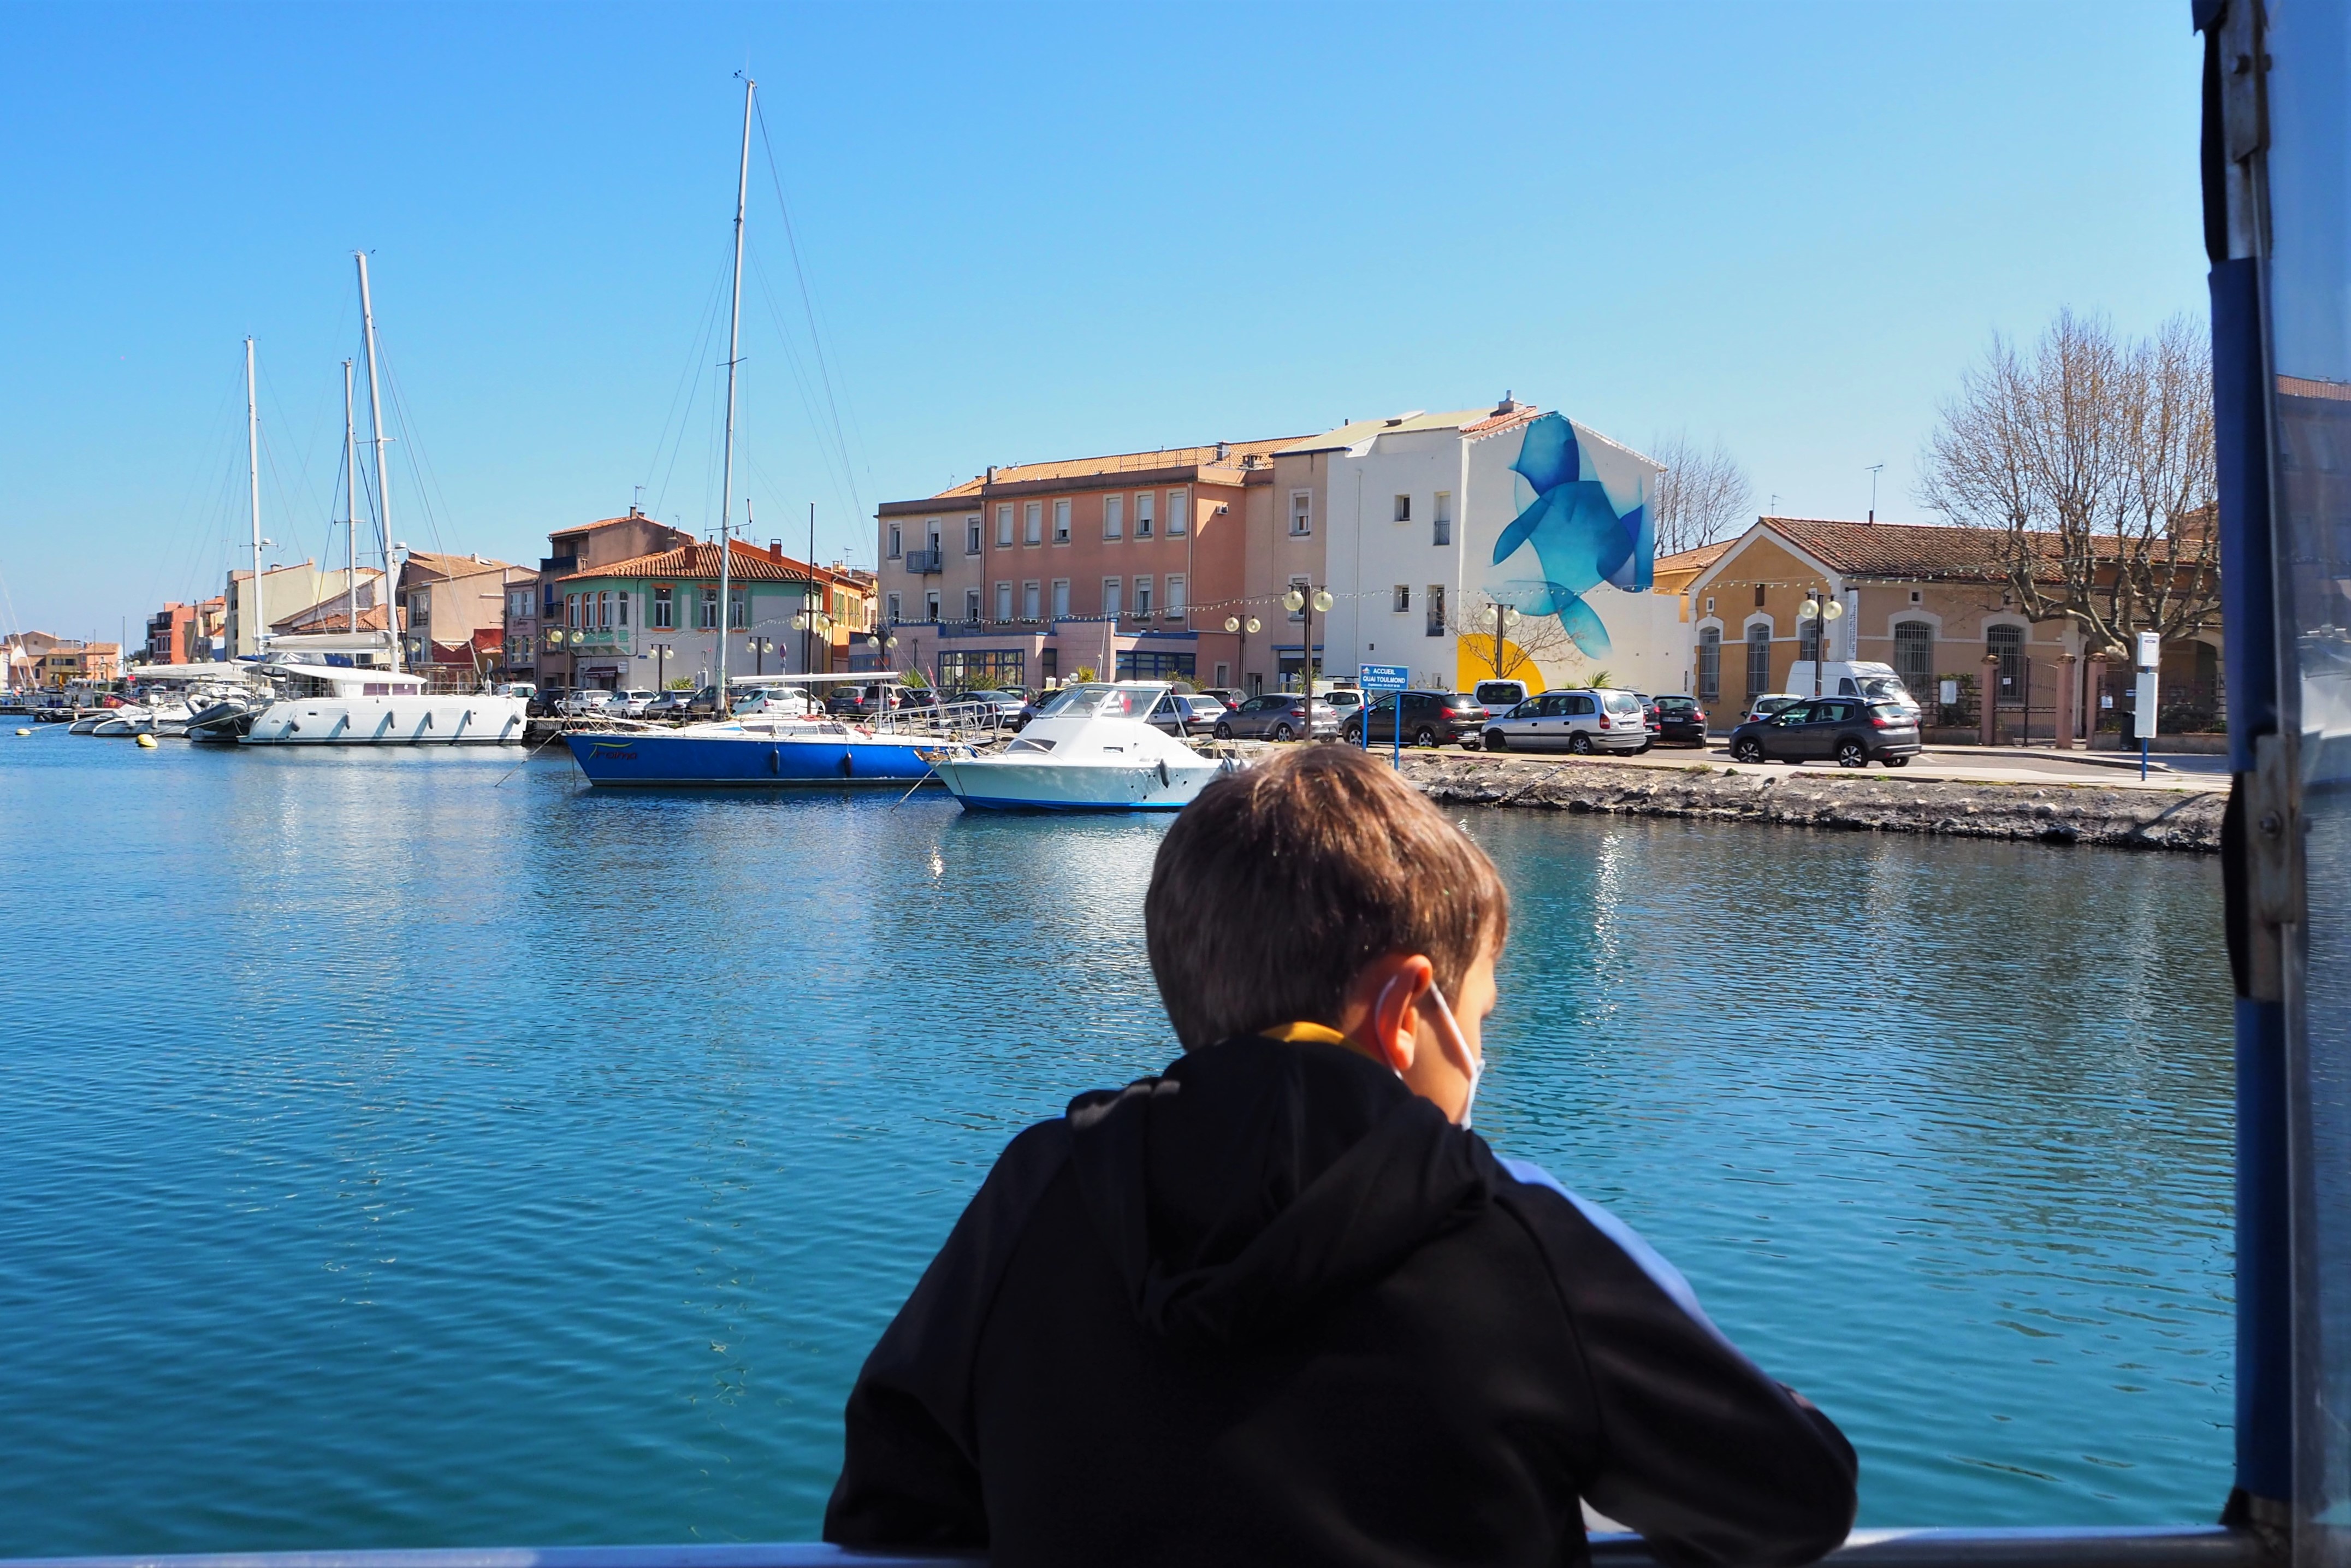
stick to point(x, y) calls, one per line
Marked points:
point(1821, 614)
point(1310, 599)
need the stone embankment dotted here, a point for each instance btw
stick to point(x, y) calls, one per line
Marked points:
point(1873, 801)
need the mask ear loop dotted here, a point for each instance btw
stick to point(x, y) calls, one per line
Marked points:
point(1383, 1006)
point(1448, 1029)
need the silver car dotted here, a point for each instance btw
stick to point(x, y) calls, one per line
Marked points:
point(1582, 720)
point(1277, 716)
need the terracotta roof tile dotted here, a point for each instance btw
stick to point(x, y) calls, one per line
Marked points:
point(1116, 462)
point(751, 564)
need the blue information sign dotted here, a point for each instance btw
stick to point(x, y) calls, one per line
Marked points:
point(1384, 677)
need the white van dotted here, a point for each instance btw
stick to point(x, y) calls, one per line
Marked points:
point(1861, 678)
point(1498, 697)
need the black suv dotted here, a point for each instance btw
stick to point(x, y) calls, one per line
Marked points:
point(1680, 718)
point(1852, 730)
point(1430, 719)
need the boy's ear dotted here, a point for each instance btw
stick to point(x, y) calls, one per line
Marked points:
point(1391, 988)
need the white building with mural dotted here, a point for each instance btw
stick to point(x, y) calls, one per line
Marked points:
point(1500, 540)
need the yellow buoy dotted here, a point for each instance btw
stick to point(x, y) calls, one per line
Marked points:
point(147, 743)
point(24, 732)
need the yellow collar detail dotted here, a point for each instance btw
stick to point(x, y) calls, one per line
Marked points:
point(1314, 1033)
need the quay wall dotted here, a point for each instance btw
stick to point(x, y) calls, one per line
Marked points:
point(1864, 802)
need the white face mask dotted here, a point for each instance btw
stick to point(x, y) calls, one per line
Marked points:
point(1456, 1045)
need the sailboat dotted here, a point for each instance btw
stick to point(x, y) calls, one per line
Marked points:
point(730, 752)
point(329, 688)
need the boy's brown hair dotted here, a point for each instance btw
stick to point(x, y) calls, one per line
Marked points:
point(1275, 887)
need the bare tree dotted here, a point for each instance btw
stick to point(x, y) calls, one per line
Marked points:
point(2093, 458)
point(1499, 642)
point(1702, 496)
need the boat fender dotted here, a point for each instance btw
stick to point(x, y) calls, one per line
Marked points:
point(848, 765)
point(147, 743)
point(775, 761)
point(1165, 782)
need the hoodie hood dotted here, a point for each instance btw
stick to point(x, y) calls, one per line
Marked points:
point(1256, 1180)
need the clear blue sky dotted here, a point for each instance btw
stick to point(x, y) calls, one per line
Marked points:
point(1027, 232)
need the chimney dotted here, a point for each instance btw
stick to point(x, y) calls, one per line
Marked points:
point(1223, 451)
point(776, 551)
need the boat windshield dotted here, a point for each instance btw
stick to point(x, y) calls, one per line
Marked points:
point(1093, 700)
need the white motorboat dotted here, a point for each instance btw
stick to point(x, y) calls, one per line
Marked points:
point(127, 720)
point(343, 704)
point(1091, 748)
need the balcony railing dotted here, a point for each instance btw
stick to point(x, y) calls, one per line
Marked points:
point(923, 562)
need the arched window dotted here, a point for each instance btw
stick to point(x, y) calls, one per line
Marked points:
point(1709, 664)
point(1914, 658)
point(2006, 643)
point(1808, 640)
point(1759, 660)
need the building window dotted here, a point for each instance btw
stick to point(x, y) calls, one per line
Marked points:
point(1179, 512)
point(664, 607)
point(971, 536)
point(1004, 601)
point(1808, 640)
point(1914, 658)
point(1404, 598)
point(1113, 516)
point(518, 604)
point(708, 618)
point(1440, 528)
point(1403, 509)
point(1110, 596)
point(1305, 586)
point(933, 525)
point(572, 610)
point(1004, 526)
point(1032, 523)
point(604, 611)
point(1435, 610)
point(1759, 596)
point(1133, 666)
point(1060, 598)
point(2006, 643)
point(971, 603)
point(1061, 522)
point(990, 670)
point(1175, 587)
point(1143, 596)
point(1301, 512)
point(1028, 602)
point(931, 605)
point(1759, 661)
point(621, 609)
point(897, 548)
point(738, 610)
point(1224, 674)
point(893, 609)
point(1709, 664)
point(1143, 501)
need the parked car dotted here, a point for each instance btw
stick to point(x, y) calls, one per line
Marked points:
point(864, 702)
point(1681, 720)
point(702, 704)
point(1854, 732)
point(775, 702)
point(1578, 720)
point(1277, 716)
point(1649, 714)
point(1430, 719)
point(668, 704)
point(1498, 697)
point(588, 702)
point(1004, 703)
point(1347, 700)
point(1231, 696)
point(633, 703)
point(545, 703)
point(1764, 707)
point(1187, 713)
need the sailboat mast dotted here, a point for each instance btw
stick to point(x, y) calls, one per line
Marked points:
point(383, 479)
point(808, 605)
point(256, 623)
point(350, 503)
point(734, 357)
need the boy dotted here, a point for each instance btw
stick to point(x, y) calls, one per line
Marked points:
point(1280, 1304)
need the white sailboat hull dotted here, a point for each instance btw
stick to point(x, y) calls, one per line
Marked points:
point(475, 719)
point(1004, 784)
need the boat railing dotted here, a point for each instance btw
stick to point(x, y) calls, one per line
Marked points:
point(947, 721)
point(2180, 1546)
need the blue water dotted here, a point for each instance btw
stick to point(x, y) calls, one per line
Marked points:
point(415, 1149)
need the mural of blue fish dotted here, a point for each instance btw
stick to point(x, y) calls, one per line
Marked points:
point(1579, 538)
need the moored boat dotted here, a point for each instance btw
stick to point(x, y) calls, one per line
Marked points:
point(1091, 748)
point(754, 752)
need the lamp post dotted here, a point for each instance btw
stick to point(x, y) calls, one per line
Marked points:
point(760, 648)
point(1821, 613)
point(1503, 615)
point(1245, 628)
point(1308, 599)
point(812, 625)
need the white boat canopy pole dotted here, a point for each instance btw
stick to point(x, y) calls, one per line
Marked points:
point(382, 480)
point(734, 356)
point(256, 624)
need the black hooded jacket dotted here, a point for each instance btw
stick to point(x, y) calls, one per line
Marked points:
point(1273, 1307)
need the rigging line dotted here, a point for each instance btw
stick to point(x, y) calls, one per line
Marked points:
point(835, 470)
point(180, 562)
point(774, 174)
point(420, 465)
point(697, 365)
point(688, 378)
point(310, 443)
